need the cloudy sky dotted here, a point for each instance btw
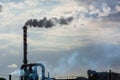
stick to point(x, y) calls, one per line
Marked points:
point(90, 41)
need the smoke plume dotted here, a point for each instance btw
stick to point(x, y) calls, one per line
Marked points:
point(47, 23)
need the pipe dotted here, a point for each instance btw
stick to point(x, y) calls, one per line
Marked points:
point(25, 76)
point(35, 64)
point(43, 69)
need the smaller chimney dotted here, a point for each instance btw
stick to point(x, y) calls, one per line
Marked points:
point(10, 77)
point(110, 75)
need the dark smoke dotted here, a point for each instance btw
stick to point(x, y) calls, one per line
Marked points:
point(47, 23)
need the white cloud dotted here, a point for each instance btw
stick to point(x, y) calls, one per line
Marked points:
point(12, 66)
point(93, 9)
point(117, 8)
point(64, 9)
point(32, 3)
point(106, 10)
point(12, 38)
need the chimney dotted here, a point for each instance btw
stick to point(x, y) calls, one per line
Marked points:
point(24, 49)
point(25, 44)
